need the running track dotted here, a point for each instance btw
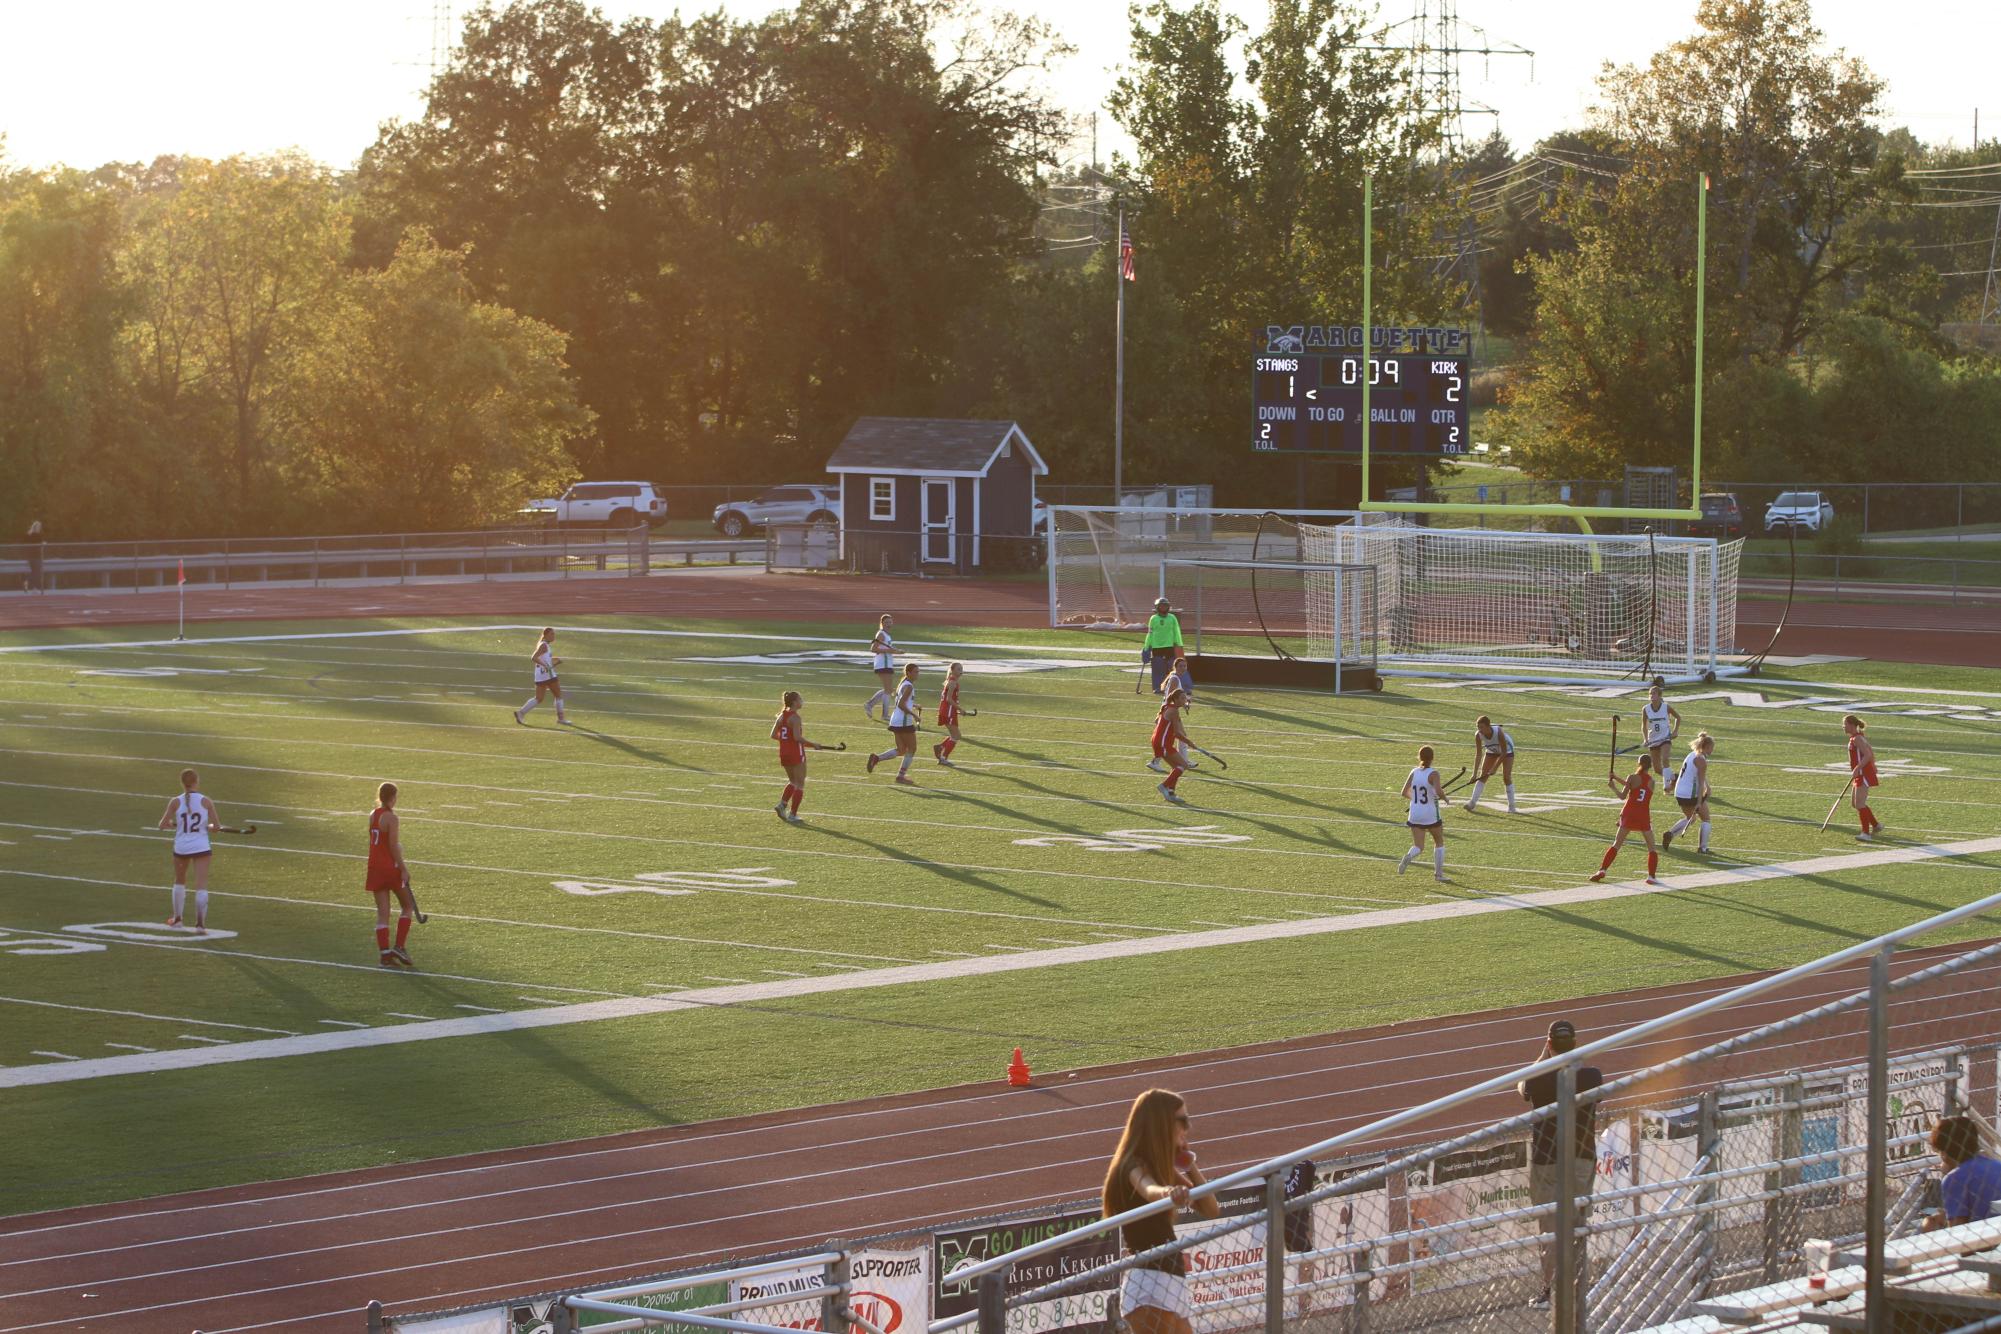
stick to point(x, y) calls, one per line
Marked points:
point(309, 1254)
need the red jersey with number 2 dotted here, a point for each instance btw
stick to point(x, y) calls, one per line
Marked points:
point(1867, 775)
point(382, 872)
point(790, 749)
point(1638, 812)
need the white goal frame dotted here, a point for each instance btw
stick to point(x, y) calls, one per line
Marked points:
point(1340, 610)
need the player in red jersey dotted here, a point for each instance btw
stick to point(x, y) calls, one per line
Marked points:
point(948, 715)
point(389, 874)
point(1169, 736)
point(790, 734)
point(1636, 817)
point(1862, 774)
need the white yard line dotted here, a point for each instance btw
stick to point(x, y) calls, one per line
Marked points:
point(490, 1022)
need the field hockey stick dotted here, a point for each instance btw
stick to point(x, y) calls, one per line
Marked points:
point(1612, 761)
point(1837, 802)
point(1446, 788)
point(1145, 661)
point(970, 713)
point(1220, 761)
point(410, 888)
point(234, 829)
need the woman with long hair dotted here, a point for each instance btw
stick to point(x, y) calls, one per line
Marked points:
point(1154, 1162)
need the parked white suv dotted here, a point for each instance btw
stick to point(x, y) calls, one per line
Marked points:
point(613, 504)
point(779, 505)
point(1798, 509)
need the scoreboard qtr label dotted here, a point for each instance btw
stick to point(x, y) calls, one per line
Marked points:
point(1309, 399)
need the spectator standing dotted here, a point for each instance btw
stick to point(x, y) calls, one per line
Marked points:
point(37, 549)
point(1972, 1187)
point(1163, 642)
point(1540, 1091)
point(1154, 1162)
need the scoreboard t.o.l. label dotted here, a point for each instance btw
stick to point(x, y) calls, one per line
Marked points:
point(1307, 388)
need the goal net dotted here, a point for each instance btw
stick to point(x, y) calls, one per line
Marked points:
point(1286, 609)
point(1564, 604)
point(1554, 606)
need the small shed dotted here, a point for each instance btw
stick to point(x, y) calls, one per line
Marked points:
point(937, 495)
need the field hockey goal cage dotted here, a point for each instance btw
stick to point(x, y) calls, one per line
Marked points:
point(1294, 611)
point(1529, 606)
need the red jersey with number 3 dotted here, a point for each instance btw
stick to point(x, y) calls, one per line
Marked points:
point(382, 872)
point(1638, 812)
point(791, 750)
point(1163, 733)
point(1867, 775)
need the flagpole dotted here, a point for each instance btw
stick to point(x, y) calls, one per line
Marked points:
point(1119, 373)
point(181, 587)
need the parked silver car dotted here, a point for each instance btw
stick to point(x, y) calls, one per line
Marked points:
point(1799, 509)
point(779, 505)
point(613, 504)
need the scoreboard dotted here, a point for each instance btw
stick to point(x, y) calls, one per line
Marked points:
point(1309, 400)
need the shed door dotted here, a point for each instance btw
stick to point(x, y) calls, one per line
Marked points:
point(938, 511)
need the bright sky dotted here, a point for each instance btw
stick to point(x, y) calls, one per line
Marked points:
point(127, 80)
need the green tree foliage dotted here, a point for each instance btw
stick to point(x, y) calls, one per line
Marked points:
point(416, 406)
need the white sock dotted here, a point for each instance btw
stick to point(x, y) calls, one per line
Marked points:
point(1678, 826)
point(559, 711)
point(877, 697)
point(1702, 844)
point(904, 768)
point(1477, 788)
point(1409, 857)
point(1438, 859)
point(201, 905)
point(529, 707)
point(1511, 796)
point(886, 755)
point(180, 898)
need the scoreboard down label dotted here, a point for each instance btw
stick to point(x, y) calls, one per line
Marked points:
point(1308, 392)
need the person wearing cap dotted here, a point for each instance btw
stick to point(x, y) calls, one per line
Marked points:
point(1540, 1091)
point(1163, 642)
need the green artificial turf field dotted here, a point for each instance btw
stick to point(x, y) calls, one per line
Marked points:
point(1040, 894)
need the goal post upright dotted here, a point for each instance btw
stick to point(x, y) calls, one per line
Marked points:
point(1580, 513)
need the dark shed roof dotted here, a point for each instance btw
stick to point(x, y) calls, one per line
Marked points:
point(934, 445)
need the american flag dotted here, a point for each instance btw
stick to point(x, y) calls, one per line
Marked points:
point(1125, 254)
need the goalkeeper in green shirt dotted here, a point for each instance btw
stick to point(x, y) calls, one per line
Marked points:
point(1163, 642)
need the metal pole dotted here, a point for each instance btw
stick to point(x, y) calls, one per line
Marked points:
point(375, 1318)
point(1119, 370)
point(834, 1304)
point(1563, 1286)
point(1368, 227)
point(993, 1295)
point(1701, 275)
point(1709, 1145)
point(1275, 1253)
point(1875, 1318)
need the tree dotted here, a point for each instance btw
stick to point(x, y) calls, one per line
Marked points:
point(417, 406)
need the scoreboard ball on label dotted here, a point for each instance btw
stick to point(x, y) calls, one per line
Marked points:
point(1307, 389)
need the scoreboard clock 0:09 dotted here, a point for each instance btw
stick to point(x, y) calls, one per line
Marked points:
point(1313, 403)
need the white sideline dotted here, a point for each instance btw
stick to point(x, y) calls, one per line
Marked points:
point(953, 969)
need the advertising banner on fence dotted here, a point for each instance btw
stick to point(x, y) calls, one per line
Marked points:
point(539, 1317)
point(889, 1288)
point(1920, 1091)
point(1470, 1184)
point(493, 1320)
point(1073, 1311)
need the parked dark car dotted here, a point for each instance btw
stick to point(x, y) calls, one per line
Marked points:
point(1721, 516)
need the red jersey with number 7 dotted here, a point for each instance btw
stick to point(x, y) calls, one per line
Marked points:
point(1865, 774)
point(382, 872)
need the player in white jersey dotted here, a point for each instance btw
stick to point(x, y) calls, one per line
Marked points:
point(192, 817)
point(544, 661)
point(1493, 749)
point(1691, 792)
point(903, 718)
point(882, 661)
point(1421, 790)
point(1662, 724)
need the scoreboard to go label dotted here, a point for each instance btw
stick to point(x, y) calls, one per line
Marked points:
point(1307, 387)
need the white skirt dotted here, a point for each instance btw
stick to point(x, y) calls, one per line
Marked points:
point(1150, 1287)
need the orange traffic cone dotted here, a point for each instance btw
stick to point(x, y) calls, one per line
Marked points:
point(1017, 1071)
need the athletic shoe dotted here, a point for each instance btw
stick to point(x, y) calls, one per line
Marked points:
point(873, 760)
point(947, 763)
point(1472, 805)
point(1512, 810)
point(906, 780)
point(402, 956)
point(938, 752)
point(518, 718)
point(1864, 838)
point(564, 722)
point(1596, 876)
point(173, 921)
point(1652, 881)
point(868, 711)
point(779, 811)
point(1168, 792)
point(1440, 878)
point(201, 928)
point(1667, 839)
point(1154, 764)
point(1188, 763)
point(389, 959)
point(1403, 864)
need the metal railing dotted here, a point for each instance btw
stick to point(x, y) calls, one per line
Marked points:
point(507, 553)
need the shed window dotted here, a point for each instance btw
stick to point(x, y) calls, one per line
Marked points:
point(881, 499)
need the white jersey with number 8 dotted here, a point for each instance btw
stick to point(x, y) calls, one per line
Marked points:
point(190, 825)
point(1423, 798)
point(1657, 722)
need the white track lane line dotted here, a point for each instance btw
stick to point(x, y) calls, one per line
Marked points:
point(598, 1011)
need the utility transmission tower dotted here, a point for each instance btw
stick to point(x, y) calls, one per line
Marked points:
point(1436, 42)
point(1990, 298)
point(444, 35)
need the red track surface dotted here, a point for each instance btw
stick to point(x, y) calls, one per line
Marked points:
point(310, 1253)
